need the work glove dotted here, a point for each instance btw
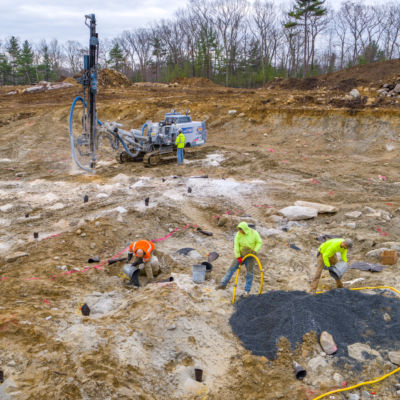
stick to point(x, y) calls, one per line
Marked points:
point(129, 257)
point(240, 260)
point(141, 266)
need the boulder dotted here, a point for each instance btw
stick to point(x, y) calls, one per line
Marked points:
point(13, 257)
point(297, 213)
point(394, 357)
point(264, 232)
point(362, 352)
point(353, 214)
point(376, 254)
point(392, 246)
point(6, 208)
point(355, 94)
point(232, 112)
point(397, 88)
point(321, 208)
point(327, 343)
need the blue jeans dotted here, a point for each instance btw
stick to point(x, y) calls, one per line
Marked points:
point(179, 155)
point(248, 262)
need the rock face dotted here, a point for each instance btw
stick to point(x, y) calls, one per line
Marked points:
point(327, 343)
point(297, 213)
point(321, 208)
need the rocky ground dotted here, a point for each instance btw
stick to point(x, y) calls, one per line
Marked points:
point(267, 149)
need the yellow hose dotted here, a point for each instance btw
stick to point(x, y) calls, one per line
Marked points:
point(376, 380)
point(237, 276)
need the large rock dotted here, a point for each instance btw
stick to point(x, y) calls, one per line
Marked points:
point(376, 254)
point(362, 352)
point(327, 343)
point(353, 214)
point(13, 257)
point(316, 363)
point(394, 357)
point(321, 208)
point(296, 213)
point(397, 88)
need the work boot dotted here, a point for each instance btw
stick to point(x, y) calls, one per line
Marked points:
point(221, 286)
point(246, 294)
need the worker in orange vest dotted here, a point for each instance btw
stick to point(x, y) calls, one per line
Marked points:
point(141, 251)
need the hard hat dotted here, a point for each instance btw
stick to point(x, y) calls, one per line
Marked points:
point(180, 130)
point(349, 243)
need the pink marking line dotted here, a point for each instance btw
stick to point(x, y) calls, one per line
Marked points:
point(46, 301)
point(3, 278)
point(33, 279)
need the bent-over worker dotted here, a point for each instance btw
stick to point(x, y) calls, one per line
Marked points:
point(180, 144)
point(326, 258)
point(141, 251)
point(247, 241)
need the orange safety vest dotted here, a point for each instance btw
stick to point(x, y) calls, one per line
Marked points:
point(144, 245)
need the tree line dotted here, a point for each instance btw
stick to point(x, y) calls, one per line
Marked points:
point(231, 42)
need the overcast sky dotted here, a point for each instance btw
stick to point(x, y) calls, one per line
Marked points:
point(64, 19)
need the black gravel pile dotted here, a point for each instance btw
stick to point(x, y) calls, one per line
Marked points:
point(349, 316)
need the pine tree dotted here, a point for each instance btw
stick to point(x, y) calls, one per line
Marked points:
point(116, 57)
point(302, 13)
point(25, 62)
point(13, 50)
point(5, 70)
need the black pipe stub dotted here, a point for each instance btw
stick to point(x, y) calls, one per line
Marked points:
point(198, 374)
point(85, 310)
point(86, 198)
point(27, 215)
point(189, 190)
point(299, 371)
point(1, 376)
point(146, 201)
point(36, 235)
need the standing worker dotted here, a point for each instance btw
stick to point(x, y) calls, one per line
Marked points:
point(247, 241)
point(326, 258)
point(143, 259)
point(180, 144)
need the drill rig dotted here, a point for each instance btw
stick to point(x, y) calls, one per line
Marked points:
point(150, 144)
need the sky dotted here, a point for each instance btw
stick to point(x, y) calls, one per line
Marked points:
point(63, 20)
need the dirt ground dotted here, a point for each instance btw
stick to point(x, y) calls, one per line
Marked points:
point(280, 146)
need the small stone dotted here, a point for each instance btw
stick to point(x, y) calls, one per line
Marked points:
point(328, 343)
point(317, 362)
point(232, 112)
point(365, 395)
point(353, 214)
point(92, 245)
point(351, 225)
point(222, 221)
point(241, 115)
point(353, 396)
point(355, 94)
point(338, 378)
point(79, 231)
point(387, 317)
point(83, 234)
point(56, 258)
point(171, 327)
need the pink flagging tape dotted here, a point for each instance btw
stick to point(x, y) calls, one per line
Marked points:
point(3, 278)
point(46, 301)
point(33, 279)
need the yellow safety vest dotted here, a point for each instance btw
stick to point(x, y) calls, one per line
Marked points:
point(180, 141)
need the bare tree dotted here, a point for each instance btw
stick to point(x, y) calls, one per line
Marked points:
point(229, 17)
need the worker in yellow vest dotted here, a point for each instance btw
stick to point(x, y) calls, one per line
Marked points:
point(180, 144)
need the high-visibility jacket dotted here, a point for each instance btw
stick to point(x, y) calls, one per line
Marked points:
point(330, 248)
point(180, 141)
point(250, 239)
point(144, 245)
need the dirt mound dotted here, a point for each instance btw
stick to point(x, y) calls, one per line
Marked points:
point(194, 82)
point(373, 74)
point(72, 81)
point(349, 316)
point(109, 78)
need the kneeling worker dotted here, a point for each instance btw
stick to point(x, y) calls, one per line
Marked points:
point(247, 241)
point(141, 250)
point(326, 258)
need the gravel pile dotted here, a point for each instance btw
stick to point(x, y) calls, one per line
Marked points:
point(349, 316)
